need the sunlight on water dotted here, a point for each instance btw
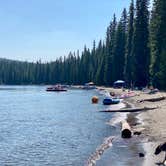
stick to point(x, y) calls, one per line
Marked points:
point(41, 128)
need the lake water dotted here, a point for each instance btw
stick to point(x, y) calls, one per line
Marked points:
point(63, 129)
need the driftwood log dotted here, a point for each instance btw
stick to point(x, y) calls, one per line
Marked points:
point(153, 99)
point(126, 130)
point(131, 109)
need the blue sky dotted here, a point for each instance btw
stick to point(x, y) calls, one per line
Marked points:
point(46, 29)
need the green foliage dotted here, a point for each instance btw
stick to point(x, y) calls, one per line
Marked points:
point(130, 51)
point(119, 48)
point(158, 44)
point(140, 49)
point(109, 52)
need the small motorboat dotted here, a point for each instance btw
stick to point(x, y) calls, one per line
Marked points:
point(56, 88)
point(89, 86)
point(109, 101)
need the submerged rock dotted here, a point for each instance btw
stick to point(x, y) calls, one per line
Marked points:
point(141, 155)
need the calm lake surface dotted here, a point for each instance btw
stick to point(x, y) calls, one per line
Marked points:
point(63, 129)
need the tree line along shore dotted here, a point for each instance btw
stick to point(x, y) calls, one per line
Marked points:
point(134, 49)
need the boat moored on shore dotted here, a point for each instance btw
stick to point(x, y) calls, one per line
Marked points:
point(109, 101)
point(89, 86)
point(56, 88)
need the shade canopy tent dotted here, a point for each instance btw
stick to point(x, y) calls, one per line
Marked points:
point(119, 84)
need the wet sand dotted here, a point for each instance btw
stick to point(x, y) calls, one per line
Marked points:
point(152, 123)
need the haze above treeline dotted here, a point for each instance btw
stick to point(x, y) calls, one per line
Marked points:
point(134, 50)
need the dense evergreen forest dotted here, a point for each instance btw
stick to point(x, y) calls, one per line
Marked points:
point(134, 49)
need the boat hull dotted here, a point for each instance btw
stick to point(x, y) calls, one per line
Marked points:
point(56, 90)
point(111, 101)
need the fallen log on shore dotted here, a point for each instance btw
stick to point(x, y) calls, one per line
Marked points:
point(126, 130)
point(153, 99)
point(131, 109)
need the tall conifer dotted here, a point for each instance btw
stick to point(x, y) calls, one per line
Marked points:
point(158, 44)
point(140, 51)
point(128, 55)
point(119, 48)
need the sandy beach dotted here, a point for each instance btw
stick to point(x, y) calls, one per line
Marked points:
point(152, 123)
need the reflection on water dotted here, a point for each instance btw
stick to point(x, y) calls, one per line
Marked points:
point(40, 128)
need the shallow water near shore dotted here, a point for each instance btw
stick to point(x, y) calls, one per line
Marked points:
point(62, 129)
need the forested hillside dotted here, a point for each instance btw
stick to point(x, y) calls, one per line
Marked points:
point(134, 49)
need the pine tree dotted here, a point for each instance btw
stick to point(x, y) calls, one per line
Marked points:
point(128, 55)
point(100, 51)
point(109, 52)
point(140, 50)
point(158, 44)
point(119, 48)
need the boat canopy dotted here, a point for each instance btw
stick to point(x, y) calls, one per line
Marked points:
point(119, 83)
point(90, 83)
